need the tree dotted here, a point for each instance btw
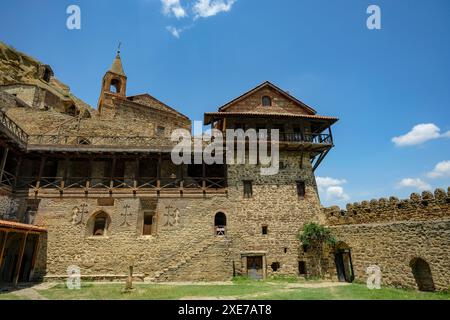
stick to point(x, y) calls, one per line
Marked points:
point(315, 236)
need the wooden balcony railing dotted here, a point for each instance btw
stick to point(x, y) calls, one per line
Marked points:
point(13, 128)
point(97, 183)
point(300, 138)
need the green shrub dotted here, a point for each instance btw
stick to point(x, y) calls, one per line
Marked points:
point(316, 233)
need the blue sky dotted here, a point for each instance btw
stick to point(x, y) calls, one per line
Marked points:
point(380, 83)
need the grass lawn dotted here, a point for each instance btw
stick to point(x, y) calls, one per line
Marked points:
point(241, 289)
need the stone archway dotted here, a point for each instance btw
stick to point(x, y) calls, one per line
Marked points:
point(422, 274)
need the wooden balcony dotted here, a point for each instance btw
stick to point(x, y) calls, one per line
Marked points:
point(141, 185)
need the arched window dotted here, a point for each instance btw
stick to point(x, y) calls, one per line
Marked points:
point(220, 224)
point(115, 86)
point(72, 111)
point(422, 274)
point(99, 224)
point(266, 101)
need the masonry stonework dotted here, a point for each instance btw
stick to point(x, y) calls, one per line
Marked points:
point(99, 189)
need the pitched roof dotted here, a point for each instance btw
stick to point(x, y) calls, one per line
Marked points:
point(117, 67)
point(144, 95)
point(271, 85)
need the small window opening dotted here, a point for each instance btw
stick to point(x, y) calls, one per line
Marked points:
point(248, 189)
point(266, 101)
point(161, 130)
point(265, 230)
point(301, 189)
point(275, 266)
point(148, 223)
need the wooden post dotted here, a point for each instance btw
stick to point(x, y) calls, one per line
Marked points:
point(2, 249)
point(89, 173)
point(41, 170)
point(158, 171)
point(35, 255)
point(17, 173)
point(203, 175)
point(3, 163)
point(113, 170)
point(65, 172)
point(19, 262)
point(136, 173)
point(331, 134)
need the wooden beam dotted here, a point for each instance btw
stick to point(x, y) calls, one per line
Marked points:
point(41, 170)
point(2, 249)
point(158, 171)
point(65, 172)
point(113, 171)
point(35, 255)
point(203, 175)
point(19, 262)
point(136, 171)
point(3, 163)
point(321, 157)
point(17, 173)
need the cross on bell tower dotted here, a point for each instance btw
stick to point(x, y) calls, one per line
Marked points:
point(114, 87)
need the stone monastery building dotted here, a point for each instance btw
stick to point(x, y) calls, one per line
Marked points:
point(97, 189)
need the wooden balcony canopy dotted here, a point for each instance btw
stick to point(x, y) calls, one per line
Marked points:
point(12, 226)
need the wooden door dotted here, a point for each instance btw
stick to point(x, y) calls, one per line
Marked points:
point(255, 267)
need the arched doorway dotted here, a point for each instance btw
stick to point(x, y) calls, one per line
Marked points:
point(220, 224)
point(344, 264)
point(422, 274)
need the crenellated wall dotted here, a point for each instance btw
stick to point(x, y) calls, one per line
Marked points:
point(394, 234)
point(428, 206)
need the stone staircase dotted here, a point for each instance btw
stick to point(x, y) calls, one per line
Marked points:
point(182, 258)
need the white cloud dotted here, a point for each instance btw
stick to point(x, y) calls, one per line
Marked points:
point(442, 169)
point(209, 8)
point(332, 188)
point(325, 182)
point(173, 7)
point(421, 133)
point(414, 183)
point(337, 193)
point(174, 31)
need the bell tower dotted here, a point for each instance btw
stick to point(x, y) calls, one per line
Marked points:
point(114, 87)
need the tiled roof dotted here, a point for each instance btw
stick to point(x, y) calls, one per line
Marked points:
point(210, 115)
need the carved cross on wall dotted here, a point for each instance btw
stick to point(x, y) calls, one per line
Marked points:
point(125, 215)
point(172, 217)
point(83, 211)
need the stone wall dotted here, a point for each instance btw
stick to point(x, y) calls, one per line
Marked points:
point(427, 206)
point(184, 245)
point(275, 204)
point(393, 234)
